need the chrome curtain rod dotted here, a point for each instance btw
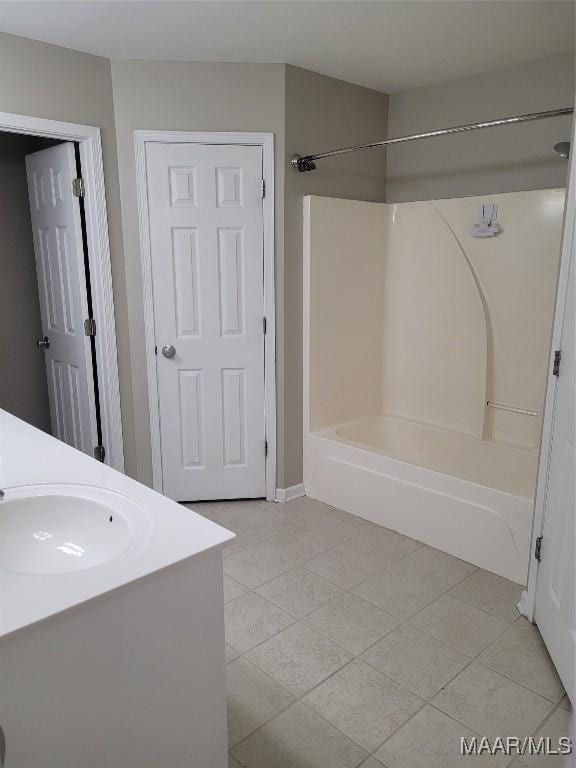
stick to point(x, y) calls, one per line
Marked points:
point(304, 163)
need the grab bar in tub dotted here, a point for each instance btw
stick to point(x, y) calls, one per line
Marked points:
point(511, 408)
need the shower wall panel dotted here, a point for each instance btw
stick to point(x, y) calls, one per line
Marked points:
point(346, 238)
point(413, 316)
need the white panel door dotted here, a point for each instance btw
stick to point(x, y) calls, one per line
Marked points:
point(206, 241)
point(59, 253)
point(556, 581)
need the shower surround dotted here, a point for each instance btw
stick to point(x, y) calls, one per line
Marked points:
point(425, 362)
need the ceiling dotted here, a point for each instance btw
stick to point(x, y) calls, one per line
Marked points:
point(386, 45)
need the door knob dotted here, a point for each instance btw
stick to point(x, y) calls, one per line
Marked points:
point(168, 350)
point(43, 343)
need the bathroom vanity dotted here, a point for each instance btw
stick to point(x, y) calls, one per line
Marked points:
point(111, 616)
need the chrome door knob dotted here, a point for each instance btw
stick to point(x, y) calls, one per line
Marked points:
point(43, 343)
point(168, 350)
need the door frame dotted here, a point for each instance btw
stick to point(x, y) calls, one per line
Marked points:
point(90, 144)
point(527, 603)
point(266, 141)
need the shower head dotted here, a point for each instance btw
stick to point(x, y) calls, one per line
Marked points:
point(563, 149)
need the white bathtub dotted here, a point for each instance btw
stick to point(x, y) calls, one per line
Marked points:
point(409, 322)
point(465, 496)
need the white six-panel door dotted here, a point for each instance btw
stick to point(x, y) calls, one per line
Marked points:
point(556, 581)
point(58, 249)
point(206, 244)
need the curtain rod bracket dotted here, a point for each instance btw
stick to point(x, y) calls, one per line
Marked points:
point(303, 163)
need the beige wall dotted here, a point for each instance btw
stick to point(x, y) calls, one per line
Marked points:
point(246, 97)
point(321, 113)
point(23, 386)
point(306, 112)
point(190, 97)
point(59, 84)
point(502, 159)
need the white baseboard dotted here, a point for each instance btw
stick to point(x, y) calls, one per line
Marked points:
point(288, 494)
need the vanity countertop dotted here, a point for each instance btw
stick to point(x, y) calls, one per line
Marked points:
point(165, 532)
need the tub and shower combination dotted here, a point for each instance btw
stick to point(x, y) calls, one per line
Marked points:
point(425, 363)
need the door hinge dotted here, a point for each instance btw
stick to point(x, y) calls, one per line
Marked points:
point(557, 360)
point(99, 453)
point(264, 326)
point(78, 187)
point(538, 548)
point(265, 447)
point(263, 188)
point(90, 327)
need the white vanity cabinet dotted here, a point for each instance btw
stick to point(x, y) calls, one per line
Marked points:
point(118, 665)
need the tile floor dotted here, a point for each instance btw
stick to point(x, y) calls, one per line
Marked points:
point(350, 645)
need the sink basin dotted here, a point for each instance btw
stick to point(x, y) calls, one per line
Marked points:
point(48, 532)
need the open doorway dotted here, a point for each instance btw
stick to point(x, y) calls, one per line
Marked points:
point(57, 336)
point(23, 383)
point(46, 344)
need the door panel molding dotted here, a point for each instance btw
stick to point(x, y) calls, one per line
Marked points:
point(90, 144)
point(528, 599)
point(59, 257)
point(230, 191)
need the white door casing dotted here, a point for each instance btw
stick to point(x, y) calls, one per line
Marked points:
point(90, 148)
point(59, 254)
point(206, 249)
point(556, 580)
point(550, 597)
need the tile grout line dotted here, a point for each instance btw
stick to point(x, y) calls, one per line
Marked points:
point(510, 623)
point(516, 682)
point(345, 591)
point(300, 565)
point(428, 702)
point(357, 656)
point(468, 665)
point(291, 568)
point(425, 701)
point(273, 716)
point(493, 640)
point(402, 622)
point(300, 698)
